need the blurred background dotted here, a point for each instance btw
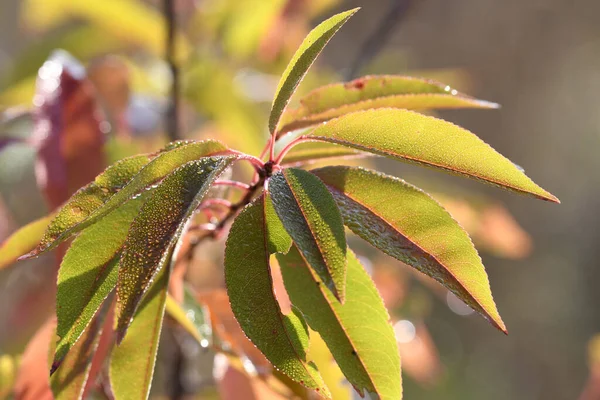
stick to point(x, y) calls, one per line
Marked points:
point(539, 59)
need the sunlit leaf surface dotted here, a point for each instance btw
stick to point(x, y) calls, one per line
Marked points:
point(157, 228)
point(409, 225)
point(301, 61)
point(70, 380)
point(132, 362)
point(117, 185)
point(281, 338)
point(88, 273)
point(376, 91)
point(22, 241)
point(358, 332)
point(310, 216)
point(409, 136)
point(318, 151)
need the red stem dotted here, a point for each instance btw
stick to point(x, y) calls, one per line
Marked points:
point(290, 145)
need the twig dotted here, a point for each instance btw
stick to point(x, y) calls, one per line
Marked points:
point(398, 9)
point(172, 115)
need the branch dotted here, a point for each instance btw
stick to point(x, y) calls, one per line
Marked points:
point(172, 115)
point(397, 11)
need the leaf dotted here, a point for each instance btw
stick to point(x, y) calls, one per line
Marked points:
point(22, 241)
point(8, 371)
point(375, 91)
point(185, 316)
point(143, 27)
point(311, 218)
point(357, 332)
point(68, 129)
point(316, 151)
point(407, 224)
point(88, 274)
point(156, 229)
point(333, 376)
point(278, 240)
point(301, 61)
point(281, 338)
point(87, 200)
point(413, 137)
point(70, 381)
point(117, 185)
point(132, 363)
point(32, 378)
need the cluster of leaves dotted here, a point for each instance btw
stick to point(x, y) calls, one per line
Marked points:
point(130, 219)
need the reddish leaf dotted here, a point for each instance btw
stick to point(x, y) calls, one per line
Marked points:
point(33, 381)
point(68, 129)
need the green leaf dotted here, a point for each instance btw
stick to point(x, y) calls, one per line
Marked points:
point(358, 332)
point(132, 362)
point(88, 273)
point(282, 339)
point(317, 151)
point(301, 61)
point(89, 199)
point(191, 318)
point(312, 219)
point(156, 229)
point(278, 240)
point(413, 137)
point(117, 185)
point(22, 241)
point(69, 382)
point(375, 91)
point(407, 224)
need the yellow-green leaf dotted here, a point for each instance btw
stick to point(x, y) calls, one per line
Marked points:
point(132, 21)
point(318, 151)
point(22, 241)
point(407, 224)
point(182, 317)
point(69, 382)
point(132, 362)
point(358, 332)
point(412, 137)
point(156, 229)
point(376, 91)
point(281, 338)
point(88, 274)
point(117, 185)
point(301, 61)
point(278, 240)
point(89, 199)
point(311, 217)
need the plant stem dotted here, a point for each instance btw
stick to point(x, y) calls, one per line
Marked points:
point(235, 184)
point(172, 115)
point(290, 145)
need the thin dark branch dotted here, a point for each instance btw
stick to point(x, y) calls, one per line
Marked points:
point(397, 11)
point(172, 115)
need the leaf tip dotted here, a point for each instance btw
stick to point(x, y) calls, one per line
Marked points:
point(32, 254)
point(55, 364)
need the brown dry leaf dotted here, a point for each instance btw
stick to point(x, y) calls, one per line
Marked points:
point(68, 129)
